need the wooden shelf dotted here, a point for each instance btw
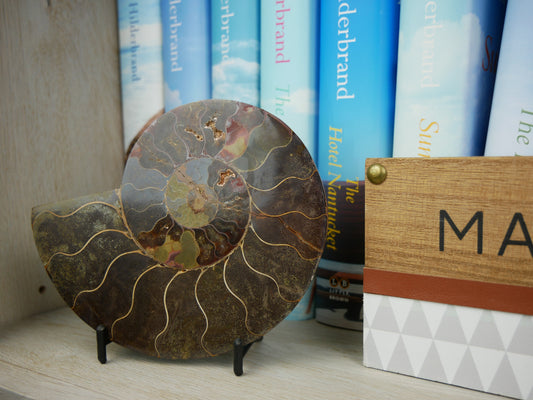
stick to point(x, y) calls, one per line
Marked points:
point(53, 356)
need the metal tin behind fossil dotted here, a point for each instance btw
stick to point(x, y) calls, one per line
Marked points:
point(214, 234)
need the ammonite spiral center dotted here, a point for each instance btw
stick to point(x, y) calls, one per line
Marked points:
point(189, 199)
point(205, 213)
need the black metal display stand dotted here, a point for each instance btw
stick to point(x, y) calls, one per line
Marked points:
point(102, 340)
point(239, 349)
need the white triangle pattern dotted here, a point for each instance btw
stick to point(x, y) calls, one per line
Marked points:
point(370, 354)
point(384, 319)
point(400, 359)
point(417, 349)
point(506, 323)
point(486, 334)
point(450, 328)
point(433, 313)
point(479, 349)
point(401, 308)
point(432, 368)
point(385, 345)
point(469, 318)
point(522, 366)
point(451, 355)
point(487, 362)
point(370, 307)
point(415, 323)
point(505, 381)
point(522, 342)
point(467, 373)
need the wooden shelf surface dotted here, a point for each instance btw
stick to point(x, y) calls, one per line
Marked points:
point(53, 356)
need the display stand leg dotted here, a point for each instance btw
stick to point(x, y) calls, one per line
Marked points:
point(239, 351)
point(102, 340)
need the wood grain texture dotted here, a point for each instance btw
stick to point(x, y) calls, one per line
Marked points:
point(60, 135)
point(403, 228)
point(56, 352)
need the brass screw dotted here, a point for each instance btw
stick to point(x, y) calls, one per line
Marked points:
point(376, 173)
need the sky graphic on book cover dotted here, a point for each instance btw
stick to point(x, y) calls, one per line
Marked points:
point(440, 75)
point(140, 63)
point(235, 50)
point(186, 27)
point(511, 117)
point(289, 67)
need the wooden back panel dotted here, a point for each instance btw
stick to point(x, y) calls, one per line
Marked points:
point(60, 128)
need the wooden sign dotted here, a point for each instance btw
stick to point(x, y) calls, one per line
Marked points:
point(451, 230)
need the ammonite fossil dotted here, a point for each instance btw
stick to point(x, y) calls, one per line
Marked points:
point(214, 234)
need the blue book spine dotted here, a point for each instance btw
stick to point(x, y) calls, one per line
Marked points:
point(141, 68)
point(235, 50)
point(186, 51)
point(445, 81)
point(511, 120)
point(289, 60)
point(358, 57)
point(289, 81)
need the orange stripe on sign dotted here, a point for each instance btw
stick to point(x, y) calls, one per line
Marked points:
point(459, 292)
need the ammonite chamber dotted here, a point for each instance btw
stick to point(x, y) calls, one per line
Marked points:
point(214, 234)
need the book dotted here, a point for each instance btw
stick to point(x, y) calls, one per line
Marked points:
point(235, 50)
point(141, 68)
point(289, 80)
point(289, 60)
point(445, 85)
point(358, 53)
point(186, 51)
point(511, 117)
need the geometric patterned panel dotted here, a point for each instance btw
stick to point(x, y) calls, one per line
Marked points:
point(485, 350)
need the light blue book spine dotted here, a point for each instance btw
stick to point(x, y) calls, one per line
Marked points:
point(445, 80)
point(235, 50)
point(289, 80)
point(358, 56)
point(186, 51)
point(289, 65)
point(511, 120)
point(141, 68)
